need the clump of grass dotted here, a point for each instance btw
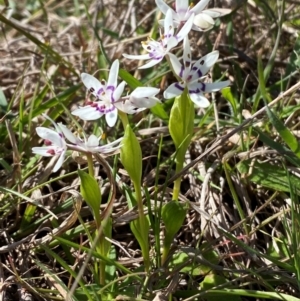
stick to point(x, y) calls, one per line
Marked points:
point(239, 184)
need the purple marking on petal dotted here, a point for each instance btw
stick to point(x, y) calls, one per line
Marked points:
point(100, 91)
point(104, 110)
point(112, 88)
point(158, 57)
point(199, 73)
point(179, 87)
point(194, 91)
point(198, 90)
point(101, 109)
point(181, 11)
point(181, 71)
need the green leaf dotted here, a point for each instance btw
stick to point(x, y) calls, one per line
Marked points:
point(173, 215)
point(3, 102)
point(111, 269)
point(90, 191)
point(192, 267)
point(182, 121)
point(294, 62)
point(268, 175)
point(211, 281)
point(227, 94)
point(129, 79)
point(281, 149)
point(283, 131)
point(131, 155)
point(141, 233)
point(159, 111)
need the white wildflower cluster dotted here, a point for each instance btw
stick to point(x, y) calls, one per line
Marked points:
point(109, 98)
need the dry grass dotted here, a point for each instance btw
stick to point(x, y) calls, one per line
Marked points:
point(43, 49)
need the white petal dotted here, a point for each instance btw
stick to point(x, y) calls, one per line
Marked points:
point(182, 6)
point(199, 100)
point(168, 25)
point(104, 149)
point(125, 107)
point(137, 57)
point(50, 135)
point(140, 92)
point(173, 90)
point(113, 74)
point(186, 28)
point(91, 83)
point(204, 21)
point(114, 142)
point(111, 117)
point(206, 62)
point(177, 66)
point(69, 135)
point(118, 92)
point(162, 6)
point(59, 162)
point(199, 6)
point(217, 12)
point(150, 64)
point(87, 113)
point(214, 87)
point(93, 141)
point(54, 124)
point(187, 59)
point(43, 151)
point(171, 43)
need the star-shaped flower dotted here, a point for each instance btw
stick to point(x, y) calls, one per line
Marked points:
point(55, 144)
point(90, 145)
point(106, 92)
point(111, 100)
point(203, 19)
point(192, 75)
point(157, 50)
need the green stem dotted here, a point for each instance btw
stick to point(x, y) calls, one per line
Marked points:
point(124, 118)
point(143, 221)
point(90, 164)
point(177, 182)
point(102, 263)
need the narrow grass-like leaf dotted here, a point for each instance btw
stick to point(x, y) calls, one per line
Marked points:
point(45, 48)
point(53, 102)
point(227, 94)
point(283, 131)
point(267, 175)
point(91, 193)
point(3, 102)
point(227, 293)
point(281, 149)
point(129, 79)
point(96, 255)
point(212, 280)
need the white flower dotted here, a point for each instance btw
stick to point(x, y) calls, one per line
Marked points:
point(90, 145)
point(203, 19)
point(158, 50)
point(111, 100)
point(55, 144)
point(192, 75)
point(107, 93)
point(138, 100)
